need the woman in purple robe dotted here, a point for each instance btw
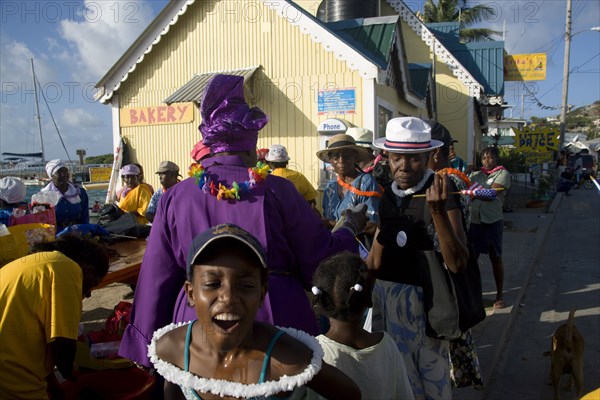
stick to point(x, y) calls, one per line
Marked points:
point(223, 189)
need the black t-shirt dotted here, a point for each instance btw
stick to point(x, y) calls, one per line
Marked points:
point(400, 263)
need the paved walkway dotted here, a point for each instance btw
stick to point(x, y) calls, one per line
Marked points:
point(537, 243)
point(524, 232)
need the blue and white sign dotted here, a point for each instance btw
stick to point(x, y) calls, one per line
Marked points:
point(332, 126)
point(341, 101)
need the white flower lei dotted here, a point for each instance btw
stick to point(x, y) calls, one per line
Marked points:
point(222, 387)
point(402, 193)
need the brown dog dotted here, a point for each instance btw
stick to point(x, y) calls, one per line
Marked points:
point(567, 356)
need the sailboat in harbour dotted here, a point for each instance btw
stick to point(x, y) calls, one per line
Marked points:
point(32, 173)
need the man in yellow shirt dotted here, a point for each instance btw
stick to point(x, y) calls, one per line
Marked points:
point(278, 160)
point(40, 310)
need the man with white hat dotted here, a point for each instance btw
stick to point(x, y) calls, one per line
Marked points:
point(420, 227)
point(168, 175)
point(12, 193)
point(278, 160)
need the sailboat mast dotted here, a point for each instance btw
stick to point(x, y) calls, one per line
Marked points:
point(37, 107)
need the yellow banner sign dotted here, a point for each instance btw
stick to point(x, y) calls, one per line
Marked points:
point(179, 113)
point(525, 67)
point(538, 139)
point(100, 174)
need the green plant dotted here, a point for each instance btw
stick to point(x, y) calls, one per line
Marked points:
point(545, 187)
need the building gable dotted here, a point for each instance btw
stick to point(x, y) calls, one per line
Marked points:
point(128, 62)
point(380, 38)
point(484, 60)
point(476, 90)
point(288, 11)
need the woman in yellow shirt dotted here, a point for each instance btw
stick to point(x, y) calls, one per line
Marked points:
point(135, 196)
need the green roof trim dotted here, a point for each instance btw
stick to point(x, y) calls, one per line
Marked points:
point(373, 37)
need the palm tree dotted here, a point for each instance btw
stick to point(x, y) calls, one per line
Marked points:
point(459, 11)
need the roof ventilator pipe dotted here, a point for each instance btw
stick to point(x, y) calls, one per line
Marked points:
point(339, 10)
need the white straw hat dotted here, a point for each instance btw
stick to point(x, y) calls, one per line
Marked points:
point(361, 135)
point(407, 135)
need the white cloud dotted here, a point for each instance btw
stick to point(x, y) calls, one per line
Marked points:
point(15, 65)
point(107, 29)
point(539, 26)
point(80, 119)
point(527, 24)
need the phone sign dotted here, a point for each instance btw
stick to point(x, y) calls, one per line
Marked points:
point(331, 126)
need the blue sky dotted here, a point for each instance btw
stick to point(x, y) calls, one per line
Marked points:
point(74, 43)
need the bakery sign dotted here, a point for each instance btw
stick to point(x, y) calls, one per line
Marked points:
point(178, 113)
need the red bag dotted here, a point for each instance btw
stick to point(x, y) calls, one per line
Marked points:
point(47, 216)
point(119, 319)
point(115, 324)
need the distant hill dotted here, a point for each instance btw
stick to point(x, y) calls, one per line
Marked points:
point(102, 159)
point(589, 111)
point(585, 119)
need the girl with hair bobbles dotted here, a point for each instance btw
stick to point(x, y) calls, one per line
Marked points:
point(225, 353)
point(342, 291)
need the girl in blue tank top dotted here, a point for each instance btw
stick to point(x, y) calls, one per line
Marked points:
point(225, 353)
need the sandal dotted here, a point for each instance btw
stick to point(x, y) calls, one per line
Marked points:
point(498, 304)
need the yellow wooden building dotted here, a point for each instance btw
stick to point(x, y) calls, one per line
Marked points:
point(300, 71)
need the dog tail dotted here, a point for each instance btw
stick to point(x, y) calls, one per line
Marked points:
point(569, 335)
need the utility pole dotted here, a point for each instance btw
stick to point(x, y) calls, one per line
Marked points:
point(565, 88)
point(522, 106)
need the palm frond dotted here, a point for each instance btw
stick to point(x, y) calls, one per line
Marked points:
point(459, 11)
point(477, 34)
point(478, 13)
point(443, 11)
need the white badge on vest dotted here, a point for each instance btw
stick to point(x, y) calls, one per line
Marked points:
point(401, 238)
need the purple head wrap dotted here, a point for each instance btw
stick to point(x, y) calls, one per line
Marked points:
point(228, 123)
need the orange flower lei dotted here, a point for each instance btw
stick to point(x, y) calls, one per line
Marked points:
point(257, 175)
point(357, 191)
point(454, 171)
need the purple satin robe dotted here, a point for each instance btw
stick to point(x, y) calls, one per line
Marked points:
point(274, 212)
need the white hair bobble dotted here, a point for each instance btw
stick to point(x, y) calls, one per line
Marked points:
point(357, 288)
point(315, 290)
